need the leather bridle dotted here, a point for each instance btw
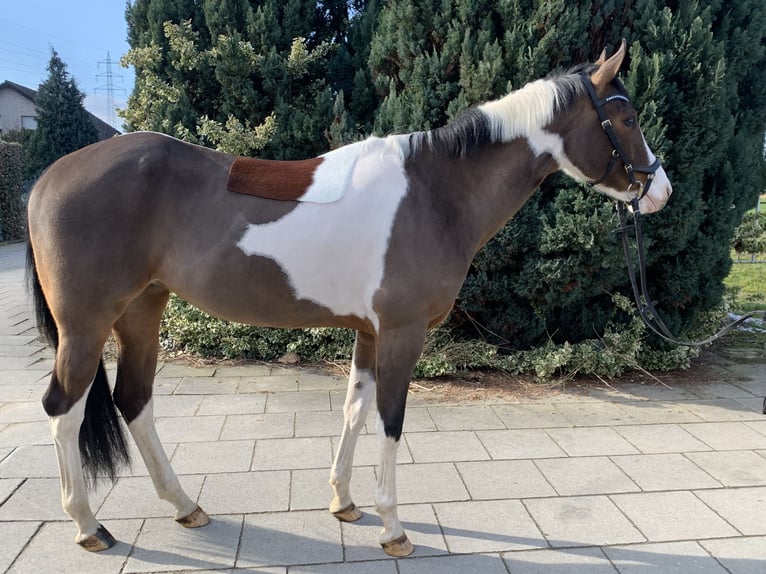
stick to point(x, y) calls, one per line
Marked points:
point(618, 153)
point(644, 303)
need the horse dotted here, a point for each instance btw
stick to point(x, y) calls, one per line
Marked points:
point(376, 236)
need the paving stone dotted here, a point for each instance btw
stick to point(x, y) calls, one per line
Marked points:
point(240, 404)
point(39, 499)
point(137, 466)
point(310, 488)
point(245, 371)
point(416, 419)
point(531, 416)
point(135, 497)
point(504, 479)
point(668, 558)
point(269, 384)
point(26, 434)
point(22, 412)
point(361, 539)
point(721, 391)
point(732, 468)
point(595, 414)
point(291, 453)
point(375, 567)
point(245, 493)
point(164, 547)
point(559, 561)
point(719, 410)
point(488, 526)
point(446, 446)
point(176, 405)
point(367, 451)
point(15, 537)
point(465, 417)
point(657, 392)
point(8, 486)
point(582, 521)
point(656, 412)
point(587, 475)
point(30, 462)
point(290, 538)
point(165, 385)
point(727, 435)
point(207, 386)
point(594, 441)
point(743, 508)
point(486, 564)
point(53, 549)
point(293, 402)
point(521, 443)
point(664, 472)
point(319, 423)
point(188, 429)
point(267, 425)
point(435, 482)
point(662, 438)
point(173, 370)
point(739, 555)
point(672, 516)
point(317, 382)
point(213, 457)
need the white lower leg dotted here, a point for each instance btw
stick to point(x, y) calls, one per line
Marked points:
point(361, 390)
point(74, 494)
point(165, 480)
point(385, 497)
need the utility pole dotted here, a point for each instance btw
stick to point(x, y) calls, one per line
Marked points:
point(109, 77)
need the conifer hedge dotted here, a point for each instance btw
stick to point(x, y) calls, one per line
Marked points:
point(292, 79)
point(12, 215)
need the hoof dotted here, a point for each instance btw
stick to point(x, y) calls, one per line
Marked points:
point(99, 541)
point(194, 520)
point(398, 547)
point(349, 514)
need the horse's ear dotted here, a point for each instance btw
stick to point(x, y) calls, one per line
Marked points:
point(601, 58)
point(608, 68)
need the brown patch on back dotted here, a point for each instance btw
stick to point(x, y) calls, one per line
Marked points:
point(270, 179)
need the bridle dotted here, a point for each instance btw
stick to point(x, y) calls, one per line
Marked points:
point(617, 152)
point(644, 302)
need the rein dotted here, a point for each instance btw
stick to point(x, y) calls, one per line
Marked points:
point(644, 303)
point(646, 307)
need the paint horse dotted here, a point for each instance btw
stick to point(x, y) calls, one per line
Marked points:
point(377, 237)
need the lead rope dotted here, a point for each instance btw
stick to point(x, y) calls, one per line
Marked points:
point(646, 308)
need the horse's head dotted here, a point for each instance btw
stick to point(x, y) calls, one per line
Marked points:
point(604, 144)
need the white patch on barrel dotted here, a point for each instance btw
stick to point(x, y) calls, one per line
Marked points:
point(334, 253)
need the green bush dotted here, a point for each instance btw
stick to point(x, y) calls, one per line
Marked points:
point(187, 329)
point(750, 235)
point(12, 220)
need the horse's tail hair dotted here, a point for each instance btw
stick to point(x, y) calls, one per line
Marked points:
point(103, 448)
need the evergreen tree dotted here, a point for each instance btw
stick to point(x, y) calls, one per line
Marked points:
point(241, 76)
point(63, 124)
point(697, 74)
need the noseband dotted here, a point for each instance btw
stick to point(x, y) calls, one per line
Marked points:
point(618, 153)
point(644, 303)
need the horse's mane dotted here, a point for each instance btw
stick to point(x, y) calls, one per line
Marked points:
point(517, 114)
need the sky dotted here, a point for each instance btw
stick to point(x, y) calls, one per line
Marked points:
point(83, 32)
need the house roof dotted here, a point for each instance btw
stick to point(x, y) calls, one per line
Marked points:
point(104, 130)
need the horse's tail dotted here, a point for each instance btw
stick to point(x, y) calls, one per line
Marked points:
point(103, 448)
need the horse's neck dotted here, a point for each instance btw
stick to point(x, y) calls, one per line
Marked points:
point(484, 190)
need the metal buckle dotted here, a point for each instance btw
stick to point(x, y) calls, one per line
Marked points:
point(607, 123)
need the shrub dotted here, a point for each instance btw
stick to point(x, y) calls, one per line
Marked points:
point(11, 185)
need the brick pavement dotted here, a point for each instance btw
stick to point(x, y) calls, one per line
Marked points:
point(631, 479)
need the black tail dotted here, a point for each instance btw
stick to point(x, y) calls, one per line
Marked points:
point(102, 441)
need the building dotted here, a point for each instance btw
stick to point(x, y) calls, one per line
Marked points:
point(17, 110)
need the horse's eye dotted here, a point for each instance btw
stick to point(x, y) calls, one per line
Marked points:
point(630, 122)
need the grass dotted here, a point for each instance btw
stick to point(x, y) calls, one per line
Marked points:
point(747, 283)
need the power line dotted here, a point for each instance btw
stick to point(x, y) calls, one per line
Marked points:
point(108, 87)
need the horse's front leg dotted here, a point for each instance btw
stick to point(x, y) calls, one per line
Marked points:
point(361, 390)
point(397, 352)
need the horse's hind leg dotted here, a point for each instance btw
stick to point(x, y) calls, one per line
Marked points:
point(76, 373)
point(137, 334)
point(361, 390)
